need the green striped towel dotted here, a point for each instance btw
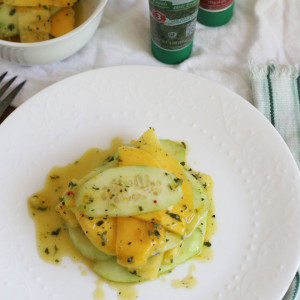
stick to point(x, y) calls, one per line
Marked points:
point(276, 93)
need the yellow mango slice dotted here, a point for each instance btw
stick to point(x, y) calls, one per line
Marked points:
point(130, 156)
point(34, 24)
point(40, 3)
point(62, 22)
point(176, 217)
point(101, 232)
point(137, 240)
point(171, 221)
point(149, 137)
point(165, 160)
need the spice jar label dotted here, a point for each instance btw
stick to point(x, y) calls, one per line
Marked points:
point(173, 22)
point(215, 4)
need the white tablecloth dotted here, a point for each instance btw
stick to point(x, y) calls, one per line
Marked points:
point(260, 31)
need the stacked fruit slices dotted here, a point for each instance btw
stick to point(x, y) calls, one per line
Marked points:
point(141, 213)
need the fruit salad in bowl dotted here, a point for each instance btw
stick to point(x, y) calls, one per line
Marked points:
point(34, 32)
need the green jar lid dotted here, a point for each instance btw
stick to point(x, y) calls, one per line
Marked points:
point(171, 57)
point(214, 19)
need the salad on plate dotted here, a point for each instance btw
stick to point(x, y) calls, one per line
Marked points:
point(140, 213)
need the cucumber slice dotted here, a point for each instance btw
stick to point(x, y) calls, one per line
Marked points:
point(177, 150)
point(190, 247)
point(110, 162)
point(202, 227)
point(172, 240)
point(128, 191)
point(8, 21)
point(110, 270)
point(199, 192)
point(201, 203)
point(150, 270)
point(85, 247)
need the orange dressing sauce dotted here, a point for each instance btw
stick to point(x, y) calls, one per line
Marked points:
point(188, 282)
point(99, 293)
point(53, 241)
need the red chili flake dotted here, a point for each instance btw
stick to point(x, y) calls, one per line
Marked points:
point(70, 193)
point(154, 201)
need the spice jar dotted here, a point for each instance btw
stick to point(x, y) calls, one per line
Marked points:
point(172, 25)
point(215, 12)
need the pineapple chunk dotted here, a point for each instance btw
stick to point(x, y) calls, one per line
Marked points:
point(62, 22)
point(34, 24)
point(41, 3)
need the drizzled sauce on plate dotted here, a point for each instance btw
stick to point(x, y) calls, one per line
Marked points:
point(53, 240)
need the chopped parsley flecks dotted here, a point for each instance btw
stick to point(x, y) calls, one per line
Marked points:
point(56, 232)
point(129, 259)
point(207, 244)
point(99, 223)
point(174, 216)
point(72, 184)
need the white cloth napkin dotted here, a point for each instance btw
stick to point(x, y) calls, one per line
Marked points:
point(276, 93)
point(259, 30)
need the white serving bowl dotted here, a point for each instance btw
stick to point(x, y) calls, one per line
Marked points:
point(30, 54)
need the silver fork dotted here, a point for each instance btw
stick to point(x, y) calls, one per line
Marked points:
point(5, 102)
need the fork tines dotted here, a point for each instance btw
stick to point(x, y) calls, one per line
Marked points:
point(2, 76)
point(4, 104)
point(6, 86)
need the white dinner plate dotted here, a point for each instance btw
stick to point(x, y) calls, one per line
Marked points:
point(257, 185)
